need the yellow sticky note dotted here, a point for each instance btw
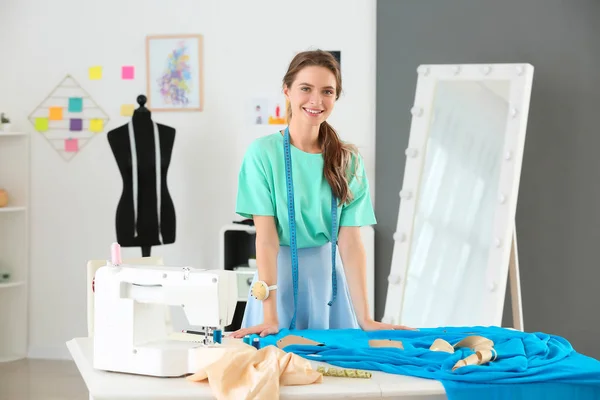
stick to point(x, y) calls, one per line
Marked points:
point(127, 110)
point(96, 125)
point(41, 124)
point(95, 73)
point(56, 113)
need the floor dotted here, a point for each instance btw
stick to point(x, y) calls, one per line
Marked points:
point(41, 380)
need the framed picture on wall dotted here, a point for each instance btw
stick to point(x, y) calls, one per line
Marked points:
point(174, 72)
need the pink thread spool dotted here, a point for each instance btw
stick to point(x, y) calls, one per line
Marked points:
point(115, 254)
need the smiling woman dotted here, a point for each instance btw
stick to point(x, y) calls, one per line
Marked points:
point(312, 85)
point(297, 241)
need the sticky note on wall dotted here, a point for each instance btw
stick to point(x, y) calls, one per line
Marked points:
point(55, 113)
point(75, 104)
point(127, 110)
point(95, 73)
point(41, 124)
point(96, 125)
point(76, 124)
point(71, 145)
point(127, 72)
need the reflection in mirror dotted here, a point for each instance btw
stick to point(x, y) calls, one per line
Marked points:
point(456, 204)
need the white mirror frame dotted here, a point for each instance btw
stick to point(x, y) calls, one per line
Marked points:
point(520, 77)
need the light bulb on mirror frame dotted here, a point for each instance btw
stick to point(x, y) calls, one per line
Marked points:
point(520, 70)
point(394, 279)
point(411, 152)
point(416, 111)
point(399, 237)
point(405, 194)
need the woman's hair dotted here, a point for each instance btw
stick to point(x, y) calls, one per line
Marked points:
point(337, 155)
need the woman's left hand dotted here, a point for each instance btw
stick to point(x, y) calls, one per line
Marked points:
point(372, 325)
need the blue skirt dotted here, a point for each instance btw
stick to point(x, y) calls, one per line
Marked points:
point(314, 292)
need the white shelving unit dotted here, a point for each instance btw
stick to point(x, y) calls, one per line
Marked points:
point(14, 245)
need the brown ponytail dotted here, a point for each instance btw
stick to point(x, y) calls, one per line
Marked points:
point(337, 155)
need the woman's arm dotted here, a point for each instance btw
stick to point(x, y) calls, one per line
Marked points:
point(267, 248)
point(354, 258)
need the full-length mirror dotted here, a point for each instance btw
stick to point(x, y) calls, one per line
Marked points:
point(455, 228)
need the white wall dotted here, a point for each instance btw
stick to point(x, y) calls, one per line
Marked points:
point(247, 46)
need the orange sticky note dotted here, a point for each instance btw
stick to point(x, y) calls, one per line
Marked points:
point(56, 113)
point(71, 145)
point(127, 110)
point(96, 125)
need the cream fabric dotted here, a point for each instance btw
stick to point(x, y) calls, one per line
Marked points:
point(244, 373)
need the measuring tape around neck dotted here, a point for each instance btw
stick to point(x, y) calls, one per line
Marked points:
point(134, 173)
point(292, 225)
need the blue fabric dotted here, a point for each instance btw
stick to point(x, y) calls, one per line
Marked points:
point(314, 292)
point(528, 366)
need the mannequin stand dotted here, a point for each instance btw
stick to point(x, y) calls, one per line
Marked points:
point(146, 251)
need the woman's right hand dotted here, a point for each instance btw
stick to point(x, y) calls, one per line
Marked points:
point(264, 329)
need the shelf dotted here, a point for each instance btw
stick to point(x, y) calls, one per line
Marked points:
point(6, 285)
point(12, 133)
point(14, 246)
point(12, 209)
point(11, 358)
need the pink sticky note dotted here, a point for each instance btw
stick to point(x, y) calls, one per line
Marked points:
point(71, 145)
point(127, 72)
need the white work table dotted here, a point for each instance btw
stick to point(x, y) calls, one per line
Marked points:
point(104, 385)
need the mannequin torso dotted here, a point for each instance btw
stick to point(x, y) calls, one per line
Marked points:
point(138, 224)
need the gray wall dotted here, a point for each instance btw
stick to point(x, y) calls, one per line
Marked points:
point(558, 214)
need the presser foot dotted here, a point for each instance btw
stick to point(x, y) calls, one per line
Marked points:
point(209, 336)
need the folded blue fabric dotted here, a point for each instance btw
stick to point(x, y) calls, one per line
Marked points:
point(528, 365)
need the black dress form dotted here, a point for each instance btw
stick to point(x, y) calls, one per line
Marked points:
point(141, 227)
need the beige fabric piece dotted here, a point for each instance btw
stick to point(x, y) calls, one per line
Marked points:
point(475, 343)
point(441, 345)
point(480, 357)
point(295, 339)
point(386, 343)
point(483, 348)
point(244, 373)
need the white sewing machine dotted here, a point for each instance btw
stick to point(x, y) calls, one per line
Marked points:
point(132, 333)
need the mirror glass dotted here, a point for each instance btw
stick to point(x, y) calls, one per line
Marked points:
point(456, 204)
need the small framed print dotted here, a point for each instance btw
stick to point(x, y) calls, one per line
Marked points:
point(174, 72)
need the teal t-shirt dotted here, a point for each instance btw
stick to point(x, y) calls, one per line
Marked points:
point(262, 190)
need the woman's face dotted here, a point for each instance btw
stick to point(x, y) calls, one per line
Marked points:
point(312, 95)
